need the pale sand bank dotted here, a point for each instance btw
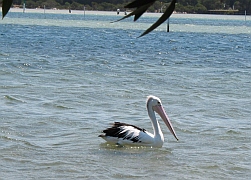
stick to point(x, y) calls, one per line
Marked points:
point(114, 13)
point(66, 11)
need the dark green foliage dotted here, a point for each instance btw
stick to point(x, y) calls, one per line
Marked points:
point(189, 6)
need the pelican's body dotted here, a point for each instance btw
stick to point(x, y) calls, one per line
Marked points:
point(126, 134)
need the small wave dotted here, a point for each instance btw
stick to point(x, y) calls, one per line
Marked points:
point(11, 98)
point(240, 148)
point(56, 106)
point(8, 138)
point(61, 107)
point(185, 130)
point(214, 166)
point(26, 143)
point(232, 132)
point(4, 54)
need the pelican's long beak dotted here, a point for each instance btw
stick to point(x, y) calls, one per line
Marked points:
point(160, 110)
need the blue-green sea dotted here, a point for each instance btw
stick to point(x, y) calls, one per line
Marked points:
point(66, 77)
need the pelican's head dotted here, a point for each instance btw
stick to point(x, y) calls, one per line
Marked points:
point(155, 104)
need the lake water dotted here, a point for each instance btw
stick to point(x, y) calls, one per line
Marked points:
point(66, 77)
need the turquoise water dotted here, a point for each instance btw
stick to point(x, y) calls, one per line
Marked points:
point(66, 77)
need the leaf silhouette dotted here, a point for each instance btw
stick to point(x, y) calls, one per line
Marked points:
point(162, 19)
point(137, 12)
point(141, 7)
point(6, 4)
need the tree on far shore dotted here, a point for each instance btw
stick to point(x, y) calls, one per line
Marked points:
point(188, 6)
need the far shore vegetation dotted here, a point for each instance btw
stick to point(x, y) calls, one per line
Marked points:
point(182, 6)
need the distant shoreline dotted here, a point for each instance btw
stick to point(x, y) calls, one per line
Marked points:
point(114, 13)
point(66, 11)
point(88, 12)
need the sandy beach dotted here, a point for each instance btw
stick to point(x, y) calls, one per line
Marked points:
point(61, 11)
point(66, 11)
point(147, 14)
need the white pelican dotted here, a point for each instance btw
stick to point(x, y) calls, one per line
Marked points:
point(126, 134)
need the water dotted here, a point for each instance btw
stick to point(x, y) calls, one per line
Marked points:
point(65, 77)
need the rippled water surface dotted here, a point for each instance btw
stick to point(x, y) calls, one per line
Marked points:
point(66, 77)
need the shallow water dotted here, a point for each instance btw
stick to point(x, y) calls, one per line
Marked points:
point(64, 78)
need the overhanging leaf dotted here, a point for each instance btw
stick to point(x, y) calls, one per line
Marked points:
point(6, 4)
point(162, 19)
point(137, 12)
point(139, 3)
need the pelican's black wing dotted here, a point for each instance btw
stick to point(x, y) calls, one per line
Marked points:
point(123, 131)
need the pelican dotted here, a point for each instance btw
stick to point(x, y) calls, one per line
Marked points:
point(127, 134)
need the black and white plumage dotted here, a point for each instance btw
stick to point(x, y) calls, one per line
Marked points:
point(124, 132)
point(127, 134)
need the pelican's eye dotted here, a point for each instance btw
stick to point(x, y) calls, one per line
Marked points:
point(159, 103)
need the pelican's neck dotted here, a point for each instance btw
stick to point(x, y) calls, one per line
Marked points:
point(155, 123)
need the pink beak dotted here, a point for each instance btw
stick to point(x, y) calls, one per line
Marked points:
point(160, 110)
